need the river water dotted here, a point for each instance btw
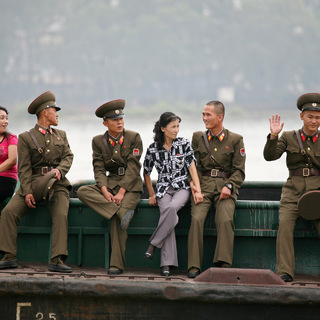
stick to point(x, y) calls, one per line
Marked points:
point(80, 132)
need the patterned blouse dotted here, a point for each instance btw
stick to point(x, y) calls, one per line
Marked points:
point(172, 165)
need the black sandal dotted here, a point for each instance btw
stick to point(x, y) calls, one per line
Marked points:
point(165, 271)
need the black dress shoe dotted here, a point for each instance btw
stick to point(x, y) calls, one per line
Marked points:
point(150, 251)
point(9, 261)
point(286, 277)
point(114, 270)
point(193, 272)
point(126, 219)
point(222, 264)
point(58, 265)
point(165, 271)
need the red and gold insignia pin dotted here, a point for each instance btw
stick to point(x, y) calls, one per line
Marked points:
point(221, 136)
point(136, 152)
point(242, 152)
point(314, 139)
point(42, 130)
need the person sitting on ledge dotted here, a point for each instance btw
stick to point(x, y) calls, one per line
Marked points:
point(174, 160)
point(304, 174)
point(116, 166)
point(41, 150)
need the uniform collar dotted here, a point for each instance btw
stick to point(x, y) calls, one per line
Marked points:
point(220, 135)
point(42, 129)
point(304, 136)
point(118, 139)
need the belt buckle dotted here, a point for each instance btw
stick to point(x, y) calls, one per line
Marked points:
point(44, 170)
point(214, 173)
point(121, 171)
point(306, 172)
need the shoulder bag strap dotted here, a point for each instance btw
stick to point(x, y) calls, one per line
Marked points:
point(40, 150)
point(205, 138)
point(303, 152)
point(106, 145)
point(109, 151)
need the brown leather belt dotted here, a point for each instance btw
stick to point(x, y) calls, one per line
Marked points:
point(216, 173)
point(304, 172)
point(42, 170)
point(119, 171)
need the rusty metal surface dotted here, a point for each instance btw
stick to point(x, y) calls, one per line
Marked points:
point(35, 293)
point(240, 276)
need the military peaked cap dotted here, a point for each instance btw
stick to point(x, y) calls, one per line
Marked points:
point(308, 205)
point(111, 110)
point(309, 101)
point(44, 187)
point(46, 100)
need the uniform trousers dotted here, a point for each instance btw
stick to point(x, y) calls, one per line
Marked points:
point(91, 196)
point(164, 236)
point(225, 229)
point(288, 215)
point(17, 208)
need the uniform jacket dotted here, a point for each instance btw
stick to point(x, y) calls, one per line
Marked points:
point(128, 155)
point(57, 150)
point(288, 143)
point(229, 152)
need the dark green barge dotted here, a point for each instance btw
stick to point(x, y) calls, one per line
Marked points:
point(249, 290)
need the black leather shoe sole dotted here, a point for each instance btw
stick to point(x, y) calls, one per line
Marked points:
point(286, 278)
point(10, 264)
point(59, 268)
point(222, 264)
point(193, 274)
point(115, 271)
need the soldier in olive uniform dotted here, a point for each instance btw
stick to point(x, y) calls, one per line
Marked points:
point(40, 150)
point(220, 158)
point(116, 194)
point(304, 174)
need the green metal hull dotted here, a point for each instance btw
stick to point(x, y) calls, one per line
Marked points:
point(140, 293)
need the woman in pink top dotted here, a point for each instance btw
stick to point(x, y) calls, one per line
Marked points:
point(8, 157)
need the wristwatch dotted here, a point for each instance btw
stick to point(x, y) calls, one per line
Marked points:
point(229, 186)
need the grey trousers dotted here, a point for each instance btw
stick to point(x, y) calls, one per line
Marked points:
point(164, 236)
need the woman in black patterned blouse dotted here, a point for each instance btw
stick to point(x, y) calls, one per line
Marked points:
point(174, 161)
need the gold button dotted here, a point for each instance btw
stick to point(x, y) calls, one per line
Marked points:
point(308, 138)
point(48, 141)
point(215, 149)
point(48, 150)
point(309, 148)
point(116, 151)
point(117, 142)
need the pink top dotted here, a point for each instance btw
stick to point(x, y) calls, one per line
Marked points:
point(11, 139)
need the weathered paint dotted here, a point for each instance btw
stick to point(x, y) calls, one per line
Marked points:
point(65, 297)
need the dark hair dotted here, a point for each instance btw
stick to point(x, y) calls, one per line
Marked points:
point(163, 121)
point(218, 107)
point(6, 134)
